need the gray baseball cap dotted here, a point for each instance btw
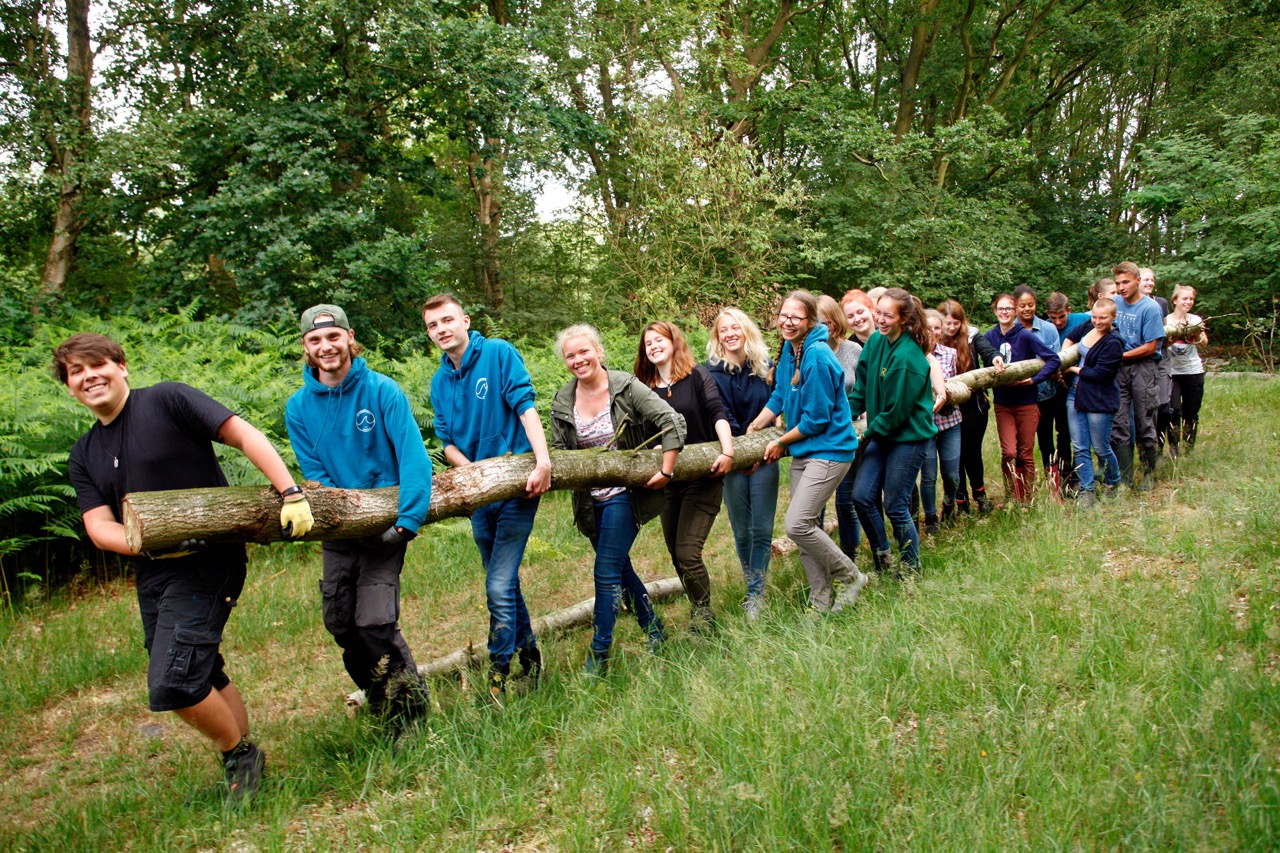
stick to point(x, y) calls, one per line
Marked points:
point(323, 316)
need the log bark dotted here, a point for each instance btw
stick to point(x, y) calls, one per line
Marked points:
point(158, 520)
point(551, 625)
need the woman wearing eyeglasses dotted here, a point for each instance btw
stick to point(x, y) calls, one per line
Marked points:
point(809, 392)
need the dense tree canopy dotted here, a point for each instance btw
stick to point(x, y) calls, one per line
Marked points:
point(259, 156)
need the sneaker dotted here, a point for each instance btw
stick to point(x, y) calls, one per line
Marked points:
point(702, 619)
point(596, 667)
point(243, 766)
point(846, 594)
point(752, 607)
point(531, 664)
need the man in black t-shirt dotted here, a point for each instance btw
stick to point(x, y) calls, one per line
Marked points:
point(157, 439)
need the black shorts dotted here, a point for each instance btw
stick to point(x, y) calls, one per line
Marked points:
point(185, 604)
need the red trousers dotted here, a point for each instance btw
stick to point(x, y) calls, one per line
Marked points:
point(1016, 426)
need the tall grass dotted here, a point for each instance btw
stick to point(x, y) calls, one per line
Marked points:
point(1056, 680)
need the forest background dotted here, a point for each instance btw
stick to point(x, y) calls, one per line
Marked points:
point(188, 176)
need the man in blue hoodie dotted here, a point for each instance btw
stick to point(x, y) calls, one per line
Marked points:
point(483, 400)
point(351, 428)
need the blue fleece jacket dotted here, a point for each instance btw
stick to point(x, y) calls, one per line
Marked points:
point(478, 404)
point(817, 406)
point(361, 435)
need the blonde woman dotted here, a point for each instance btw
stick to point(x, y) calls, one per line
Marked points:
point(1186, 371)
point(738, 361)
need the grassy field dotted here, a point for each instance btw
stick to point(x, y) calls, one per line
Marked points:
point(1053, 680)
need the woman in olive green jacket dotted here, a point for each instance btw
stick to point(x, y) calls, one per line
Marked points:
point(612, 409)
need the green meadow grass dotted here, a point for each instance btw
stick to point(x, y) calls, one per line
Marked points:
point(1053, 680)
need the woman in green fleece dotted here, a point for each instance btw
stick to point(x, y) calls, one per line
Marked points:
point(894, 389)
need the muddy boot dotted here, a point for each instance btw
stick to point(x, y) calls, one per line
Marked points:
point(1190, 427)
point(948, 511)
point(1124, 455)
point(984, 503)
point(962, 505)
point(883, 561)
point(1150, 459)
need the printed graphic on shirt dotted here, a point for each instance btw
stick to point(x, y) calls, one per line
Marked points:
point(365, 420)
point(1006, 352)
point(482, 387)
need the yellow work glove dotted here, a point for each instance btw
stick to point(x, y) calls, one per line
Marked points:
point(295, 518)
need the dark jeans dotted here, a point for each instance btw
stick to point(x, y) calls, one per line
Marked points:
point(892, 468)
point(360, 591)
point(945, 448)
point(973, 430)
point(846, 515)
point(501, 531)
point(616, 529)
point(691, 510)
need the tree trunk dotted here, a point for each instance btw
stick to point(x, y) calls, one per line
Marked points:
point(67, 152)
point(157, 520)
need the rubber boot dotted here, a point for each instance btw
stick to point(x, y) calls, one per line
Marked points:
point(1124, 455)
point(1190, 427)
point(1150, 458)
point(984, 503)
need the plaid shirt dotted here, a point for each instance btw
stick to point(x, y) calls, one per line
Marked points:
point(949, 415)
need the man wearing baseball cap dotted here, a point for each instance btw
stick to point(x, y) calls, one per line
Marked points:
point(352, 428)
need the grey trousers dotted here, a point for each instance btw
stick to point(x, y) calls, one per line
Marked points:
point(813, 482)
point(1138, 388)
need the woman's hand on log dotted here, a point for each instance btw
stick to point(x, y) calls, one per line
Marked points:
point(539, 481)
point(722, 465)
point(997, 364)
point(773, 451)
point(659, 480)
point(295, 518)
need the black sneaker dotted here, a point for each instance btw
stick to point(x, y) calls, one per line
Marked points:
point(243, 766)
point(531, 664)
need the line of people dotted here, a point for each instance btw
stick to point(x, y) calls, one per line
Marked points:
point(880, 356)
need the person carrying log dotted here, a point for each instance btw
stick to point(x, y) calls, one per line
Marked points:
point(483, 400)
point(161, 438)
point(352, 428)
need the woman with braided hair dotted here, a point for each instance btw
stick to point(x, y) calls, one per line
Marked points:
point(809, 392)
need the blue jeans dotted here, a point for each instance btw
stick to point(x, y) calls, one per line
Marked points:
point(945, 447)
point(501, 531)
point(752, 502)
point(1091, 433)
point(846, 515)
point(616, 530)
point(892, 468)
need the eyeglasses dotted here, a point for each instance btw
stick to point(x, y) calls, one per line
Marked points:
point(790, 320)
point(1005, 310)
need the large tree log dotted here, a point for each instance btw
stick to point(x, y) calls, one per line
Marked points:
point(158, 520)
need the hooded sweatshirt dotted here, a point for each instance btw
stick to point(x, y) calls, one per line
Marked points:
point(479, 403)
point(361, 435)
point(1021, 344)
point(816, 406)
point(893, 388)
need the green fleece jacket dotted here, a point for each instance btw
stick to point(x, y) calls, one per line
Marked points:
point(893, 388)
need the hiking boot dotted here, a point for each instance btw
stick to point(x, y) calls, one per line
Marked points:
point(243, 765)
point(930, 525)
point(1086, 499)
point(531, 664)
point(752, 606)
point(984, 503)
point(655, 636)
point(948, 511)
point(882, 560)
point(702, 619)
point(962, 506)
point(1110, 491)
point(845, 594)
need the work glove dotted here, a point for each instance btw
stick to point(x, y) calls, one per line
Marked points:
point(295, 518)
point(395, 536)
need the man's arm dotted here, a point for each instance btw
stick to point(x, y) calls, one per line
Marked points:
point(455, 457)
point(295, 513)
point(1149, 348)
point(540, 478)
point(105, 532)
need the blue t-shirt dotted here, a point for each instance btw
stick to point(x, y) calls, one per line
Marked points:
point(1139, 323)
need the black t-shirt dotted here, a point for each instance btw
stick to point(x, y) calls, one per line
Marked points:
point(697, 397)
point(161, 440)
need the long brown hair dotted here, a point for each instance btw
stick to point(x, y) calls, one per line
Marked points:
point(911, 313)
point(960, 340)
point(682, 361)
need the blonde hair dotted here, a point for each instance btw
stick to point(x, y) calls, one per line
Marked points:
point(829, 311)
point(580, 330)
point(754, 350)
point(1180, 289)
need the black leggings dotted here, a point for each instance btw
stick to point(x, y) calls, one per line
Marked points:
point(972, 430)
point(1185, 398)
point(1053, 420)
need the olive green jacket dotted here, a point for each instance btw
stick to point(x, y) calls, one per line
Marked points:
point(642, 414)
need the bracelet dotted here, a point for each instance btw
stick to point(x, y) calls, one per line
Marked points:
point(665, 474)
point(727, 455)
point(292, 490)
